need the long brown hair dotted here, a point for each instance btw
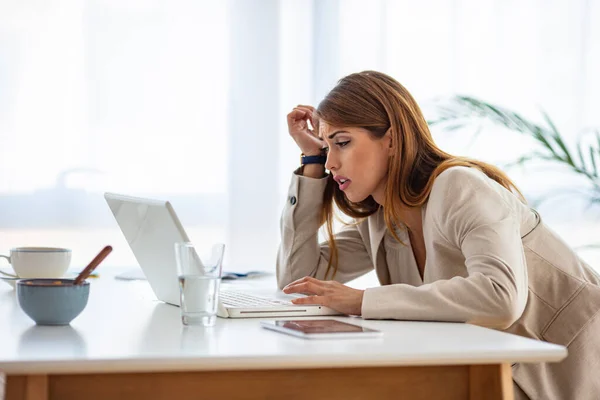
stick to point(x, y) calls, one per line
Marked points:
point(376, 102)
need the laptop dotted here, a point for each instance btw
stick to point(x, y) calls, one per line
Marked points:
point(152, 228)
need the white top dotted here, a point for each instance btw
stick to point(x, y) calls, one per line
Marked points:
point(125, 329)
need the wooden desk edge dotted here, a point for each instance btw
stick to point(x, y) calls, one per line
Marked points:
point(490, 381)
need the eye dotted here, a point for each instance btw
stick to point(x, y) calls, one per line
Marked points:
point(342, 144)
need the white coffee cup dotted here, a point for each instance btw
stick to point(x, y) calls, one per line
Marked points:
point(39, 262)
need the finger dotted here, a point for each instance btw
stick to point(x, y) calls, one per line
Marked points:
point(305, 287)
point(309, 112)
point(296, 114)
point(301, 280)
point(305, 113)
point(294, 288)
point(301, 122)
point(320, 300)
point(306, 278)
point(311, 108)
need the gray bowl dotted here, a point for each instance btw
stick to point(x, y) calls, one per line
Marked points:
point(49, 303)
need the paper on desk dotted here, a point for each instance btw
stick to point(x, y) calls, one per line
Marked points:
point(242, 275)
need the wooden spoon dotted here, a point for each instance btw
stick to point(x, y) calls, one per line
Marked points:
point(92, 265)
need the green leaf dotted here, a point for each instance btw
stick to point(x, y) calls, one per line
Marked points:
point(462, 111)
point(550, 123)
point(520, 161)
point(520, 124)
point(593, 158)
point(558, 139)
point(535, 156)
point(495, 110)
point(454, 126)
point(538, 134)
point(580, 153)
point(475, 136)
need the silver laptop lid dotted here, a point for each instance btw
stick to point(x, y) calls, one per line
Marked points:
point(151, 228)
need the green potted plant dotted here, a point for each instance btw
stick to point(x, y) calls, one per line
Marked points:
point(459, 112)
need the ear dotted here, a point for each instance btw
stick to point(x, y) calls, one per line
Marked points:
point(389, 138)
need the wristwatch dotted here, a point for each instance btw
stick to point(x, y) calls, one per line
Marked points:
point(318, 159)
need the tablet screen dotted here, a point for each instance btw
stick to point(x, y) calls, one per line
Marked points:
point(321, 326)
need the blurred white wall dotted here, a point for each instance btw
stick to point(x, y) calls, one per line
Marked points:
point(186, 100)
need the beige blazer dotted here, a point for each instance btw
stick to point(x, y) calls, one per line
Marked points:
point(491, 261)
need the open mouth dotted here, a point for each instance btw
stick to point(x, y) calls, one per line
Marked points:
point(343, 182)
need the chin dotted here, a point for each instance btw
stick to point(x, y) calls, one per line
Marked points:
point(354, 198)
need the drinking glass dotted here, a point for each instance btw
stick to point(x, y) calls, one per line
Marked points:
point(199, 272)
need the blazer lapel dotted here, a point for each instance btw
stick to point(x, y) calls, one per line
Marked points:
point(377, 229)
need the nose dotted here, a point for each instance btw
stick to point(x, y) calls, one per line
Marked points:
point(332, 162)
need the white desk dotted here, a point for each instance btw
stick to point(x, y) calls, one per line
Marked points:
point(126, 344)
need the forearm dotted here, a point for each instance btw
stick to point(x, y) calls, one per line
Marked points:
point(299, 252)
point(316, 171)
point(478, 300)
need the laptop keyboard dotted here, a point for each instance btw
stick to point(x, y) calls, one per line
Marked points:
point(231, 298)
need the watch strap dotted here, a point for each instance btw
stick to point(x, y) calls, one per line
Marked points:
point(319, 159)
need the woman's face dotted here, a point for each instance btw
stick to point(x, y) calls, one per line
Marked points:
point(357, 160)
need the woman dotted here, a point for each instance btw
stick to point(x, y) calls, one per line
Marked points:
point(451, 239)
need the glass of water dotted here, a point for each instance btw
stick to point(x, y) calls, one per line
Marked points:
point(199, 272)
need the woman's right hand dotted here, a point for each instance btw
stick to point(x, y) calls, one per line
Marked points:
point(303, 135)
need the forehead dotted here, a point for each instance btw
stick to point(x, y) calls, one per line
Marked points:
point(325, 129)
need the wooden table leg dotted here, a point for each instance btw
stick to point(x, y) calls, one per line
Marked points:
point(491, 382)
point(26, 387)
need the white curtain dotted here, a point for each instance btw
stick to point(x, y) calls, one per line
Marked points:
point(124, 96)
point(186, 101)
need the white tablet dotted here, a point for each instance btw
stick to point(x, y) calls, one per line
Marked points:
point(321, 329)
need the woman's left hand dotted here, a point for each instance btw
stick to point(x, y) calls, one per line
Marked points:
point(330, 294)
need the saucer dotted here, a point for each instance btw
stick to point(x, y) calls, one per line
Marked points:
point(11, 281)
